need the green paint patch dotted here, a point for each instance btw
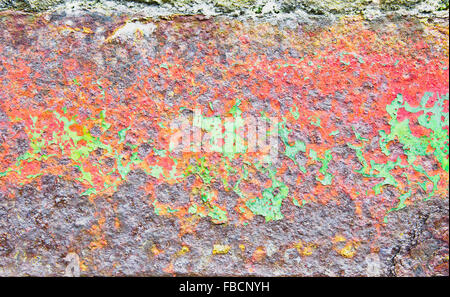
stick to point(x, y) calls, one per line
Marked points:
point(269, 204)
point(434, 120)
point(328, 177)
point(315, 121)
point(218, 215)
point(334, 133)
point(291, 150)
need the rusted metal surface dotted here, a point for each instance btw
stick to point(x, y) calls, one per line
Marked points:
point(358, 185)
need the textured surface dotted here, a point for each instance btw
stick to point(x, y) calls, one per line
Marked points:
point(359, 185)
point(257, 8)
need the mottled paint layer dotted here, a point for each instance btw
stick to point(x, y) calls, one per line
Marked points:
point(362, 109)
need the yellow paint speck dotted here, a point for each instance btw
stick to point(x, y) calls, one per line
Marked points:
point(305, 249)
point(221, 249)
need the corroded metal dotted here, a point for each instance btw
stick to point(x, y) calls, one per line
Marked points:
point(358, 184)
